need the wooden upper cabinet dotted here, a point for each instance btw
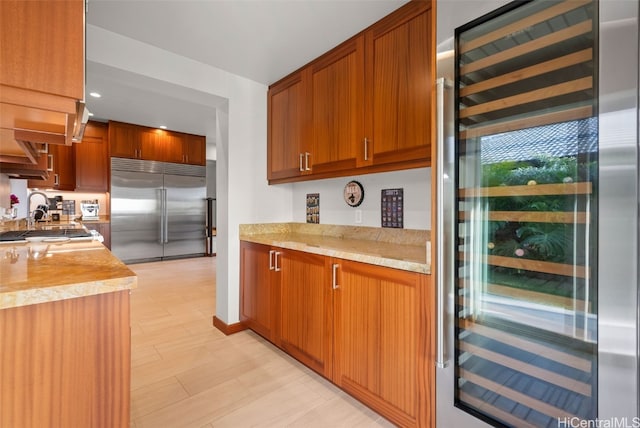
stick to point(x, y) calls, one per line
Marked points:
point(123, 140)
point(287, 145)
point(363, 107)
point(399, 85)
point(92, 158)
point(141, 142)
point(43, 46)
point(184, 148)
point(41, 70)
point(61, 163)
point(195, 149)
point(337, 108)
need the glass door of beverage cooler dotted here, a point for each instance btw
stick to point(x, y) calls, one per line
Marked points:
point(526, 308)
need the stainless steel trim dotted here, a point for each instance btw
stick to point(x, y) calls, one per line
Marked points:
point(441, 357)
point(160, 198)
point(271, 253)
point(334, 278)
point(166, 216)
point(618, 217)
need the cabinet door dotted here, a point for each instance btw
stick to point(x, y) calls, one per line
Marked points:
point(43, 47)
point(257, 289)
point(195, 149)
point(305, 315)
point(49, 182)
point(61, 166)
point(174, 145)
point(92, 159)
point(337, 115)
point(152, 145)
point(103, 229)
point(123, 140)
point(378, 352)
point(65, 168)
point(286, 154)
point(399, 84)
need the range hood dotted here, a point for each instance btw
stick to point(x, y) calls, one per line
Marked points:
point(82, 117)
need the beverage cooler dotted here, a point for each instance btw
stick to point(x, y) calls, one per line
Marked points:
point(538, 215)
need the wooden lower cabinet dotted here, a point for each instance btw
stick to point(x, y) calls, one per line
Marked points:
point(366, 328)
point(305, 308)
point(259, 289)
point(378, 323)
point(66, 363)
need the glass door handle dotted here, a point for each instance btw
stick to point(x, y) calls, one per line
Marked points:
point(441, 358)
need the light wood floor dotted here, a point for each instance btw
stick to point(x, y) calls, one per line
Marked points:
point(186, 373)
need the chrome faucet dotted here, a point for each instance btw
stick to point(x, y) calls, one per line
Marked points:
point(30, 216)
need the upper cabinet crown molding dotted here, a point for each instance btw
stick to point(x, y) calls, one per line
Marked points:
point(365, 105)
point(42, 75)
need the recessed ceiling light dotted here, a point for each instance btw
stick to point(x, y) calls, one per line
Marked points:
point(90, 114)
point(163, 126)
point(95, 94)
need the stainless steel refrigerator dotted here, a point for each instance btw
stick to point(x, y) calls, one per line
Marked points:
point(537, 218)
point(158, 210)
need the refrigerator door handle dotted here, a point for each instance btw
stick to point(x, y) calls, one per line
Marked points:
point(160, 194)
point(441, 358)
point(166, 217)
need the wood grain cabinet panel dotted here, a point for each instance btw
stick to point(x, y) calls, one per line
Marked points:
point(337, 108)
point(123, 140)
point(377, 332)
point(41, 71)
point(66, 363)
point(92, 158)
point(363, 107)
point(195, 149)
point(367, 328)
point(258, 289)
point(287, 141)
point(61, 162)
point(399, 85)
point(306, 326)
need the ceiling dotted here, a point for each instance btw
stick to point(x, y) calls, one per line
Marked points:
point(262, 40)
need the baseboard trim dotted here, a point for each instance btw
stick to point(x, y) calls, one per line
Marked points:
point(228, 329)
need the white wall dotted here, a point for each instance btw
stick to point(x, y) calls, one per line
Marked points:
point(333, 210)
point(242, 192)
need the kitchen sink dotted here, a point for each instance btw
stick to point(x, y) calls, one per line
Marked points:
point(20, 235)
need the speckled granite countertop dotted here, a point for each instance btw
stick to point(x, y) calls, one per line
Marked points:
point(66, 271)
point(404, 249)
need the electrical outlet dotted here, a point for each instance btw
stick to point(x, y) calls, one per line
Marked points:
point(358, 216)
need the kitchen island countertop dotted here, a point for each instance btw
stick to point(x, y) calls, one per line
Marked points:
point(68, 270)
point(403, 249)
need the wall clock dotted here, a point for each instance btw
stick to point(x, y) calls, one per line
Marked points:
point(353, 193)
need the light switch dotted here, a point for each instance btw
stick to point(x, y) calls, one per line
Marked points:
point(358, 216)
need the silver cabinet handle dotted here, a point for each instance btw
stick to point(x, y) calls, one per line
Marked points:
point(306, 161)
point(366, 149)
point(334, 280)
point(56, 180)
point(441, 358)
point(49, 162)
point(276, 267)
point(271, 253)
point(301, 167)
